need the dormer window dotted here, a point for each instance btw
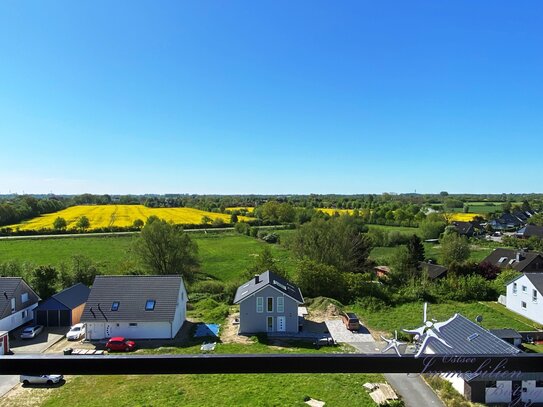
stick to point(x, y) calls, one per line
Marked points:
point(150, 305)
point(115, 305)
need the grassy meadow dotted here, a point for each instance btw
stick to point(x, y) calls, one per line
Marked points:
point(223, 256)
point(103, 216)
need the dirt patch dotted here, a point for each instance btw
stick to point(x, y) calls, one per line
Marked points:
point(318, 315)
point(29, 396)
point(229, 331)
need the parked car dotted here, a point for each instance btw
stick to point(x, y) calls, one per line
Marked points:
point(76, 332)
point(351, 321)
point(120, 344)
point(43, 379)
point(31, 331)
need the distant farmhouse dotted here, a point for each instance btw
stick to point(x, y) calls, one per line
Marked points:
point(268, 303)
point(136, 307)
point(524, 296)
point(519, 260)
point(511, 221)
point(17, 303)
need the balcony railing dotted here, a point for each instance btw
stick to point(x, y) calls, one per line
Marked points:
point(264, 363)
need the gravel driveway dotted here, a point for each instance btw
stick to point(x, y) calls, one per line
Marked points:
point(341, 334)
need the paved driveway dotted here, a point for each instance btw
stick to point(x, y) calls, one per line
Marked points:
point(341, 334)
point(40, 343)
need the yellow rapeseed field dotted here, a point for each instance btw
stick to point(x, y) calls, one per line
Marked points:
point(462, 217)
point(247, 209)
point(101, 216)
point(331, 211)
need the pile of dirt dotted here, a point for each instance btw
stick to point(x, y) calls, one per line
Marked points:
point(323, 308)
point(229, 331)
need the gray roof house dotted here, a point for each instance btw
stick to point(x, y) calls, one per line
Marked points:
point(434, 271)
point(268, 303)
point(461, 336)
point(17, 303)
point(136, 307)
point(530, 230)
point(519, 260)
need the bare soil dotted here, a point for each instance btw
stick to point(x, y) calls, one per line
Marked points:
point(229, 331)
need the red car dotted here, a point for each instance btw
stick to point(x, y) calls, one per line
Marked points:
point(120, 344)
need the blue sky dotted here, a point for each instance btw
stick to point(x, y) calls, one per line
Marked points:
point(274, 97)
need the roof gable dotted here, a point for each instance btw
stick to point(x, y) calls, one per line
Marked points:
point(508, 258)
point(132, 293)
point(268, 279)
point(73, 296)
point(9, 288)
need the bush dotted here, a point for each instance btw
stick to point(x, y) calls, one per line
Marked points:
point(208, 286)
point(242, 228)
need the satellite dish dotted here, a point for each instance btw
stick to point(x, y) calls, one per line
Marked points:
point(479, 318)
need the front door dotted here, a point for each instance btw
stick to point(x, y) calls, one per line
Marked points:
point(281, 324)
point(269, 321)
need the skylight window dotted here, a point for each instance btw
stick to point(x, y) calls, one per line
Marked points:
point(278, 284)
point(472, 336)
point(115, 305)
point(150, 305)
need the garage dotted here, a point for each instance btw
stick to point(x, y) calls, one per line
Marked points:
point(64, 308)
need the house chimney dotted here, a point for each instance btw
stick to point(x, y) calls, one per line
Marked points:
point(257, 279)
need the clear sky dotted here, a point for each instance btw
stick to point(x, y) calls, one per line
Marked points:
point(279, 97)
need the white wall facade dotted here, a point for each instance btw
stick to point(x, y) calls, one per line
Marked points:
point(500, 394)
point(181, 310)
point(515, 300)
point(141, 330)
point(532, 394)
point(16, 319)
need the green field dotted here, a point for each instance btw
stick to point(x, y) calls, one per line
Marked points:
point(223, 255)
point(409, 315)
point(400, 229)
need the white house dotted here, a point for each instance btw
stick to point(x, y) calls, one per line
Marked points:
point(524, 296)
point(461, 336)
point(17, 303)
point(136, 307)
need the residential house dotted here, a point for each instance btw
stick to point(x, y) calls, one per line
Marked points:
point(529, 231)
point(511, 221)
point(519, 260)
point(524, 296)
point(268, 303)
point(64, 308)
point(460, 336)
point(136, 307)
point(464, 228)
point(17, 303)
point(508, 335)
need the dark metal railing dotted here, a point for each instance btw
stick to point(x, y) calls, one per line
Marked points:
point(264, 363)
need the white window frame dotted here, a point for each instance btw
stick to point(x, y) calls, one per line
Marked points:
point(268, 325)
point(523, 305)
point(24, 297)
point(524, 289)
point(515, 288)
point(24, 314)
point(260, 305)
point(268, 304)
point(280, 304)
point(534, 295)
point(12, 305)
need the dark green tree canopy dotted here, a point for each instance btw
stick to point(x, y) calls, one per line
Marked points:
point(164, 248)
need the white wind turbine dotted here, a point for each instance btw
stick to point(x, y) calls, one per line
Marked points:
point(393, 343)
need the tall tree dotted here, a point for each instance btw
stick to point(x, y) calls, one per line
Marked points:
point(83, 223)
point(60, 223)
point(454, 249)
point(163, 248)
point(43, 280)
point(415, 248)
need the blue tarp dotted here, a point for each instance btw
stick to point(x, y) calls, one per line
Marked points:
point(203, 330)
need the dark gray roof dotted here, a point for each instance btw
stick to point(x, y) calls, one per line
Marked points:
point(434, 270)
point(9, 288)
point(467, 337)
point(73, 296)
point(271, 279)
point(506, 333)
point(537, 280)
point(508, 257)
point(463, 228)
point(530, 230)
point(132, 292)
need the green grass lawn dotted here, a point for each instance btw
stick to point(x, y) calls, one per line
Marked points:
point(216, 389)
point(224, 256)
point(212, 390)
point(401, 229)
point(409, 316)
